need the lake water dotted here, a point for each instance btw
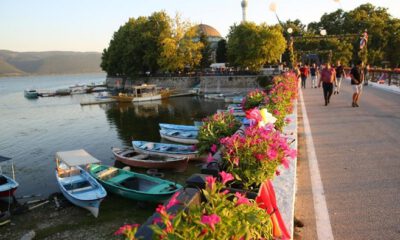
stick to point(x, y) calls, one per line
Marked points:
point(32, 131)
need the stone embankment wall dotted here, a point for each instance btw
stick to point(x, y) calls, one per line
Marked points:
point(203, 83)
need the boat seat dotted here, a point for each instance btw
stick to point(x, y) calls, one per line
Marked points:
point(165, 148)
point(81, 189)
point(187, 134)
point(62, 173)
point(107, 174)
point(148, 146)
point(3, 180)
point(141, 156)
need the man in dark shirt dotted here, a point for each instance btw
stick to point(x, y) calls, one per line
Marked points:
point(314, 75)
point(339, 77)
point(357, 77)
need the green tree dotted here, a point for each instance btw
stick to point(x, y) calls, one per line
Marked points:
point(205, 52)
point(221, 51)
point(393, 46)
point(178, 50)
point(250, 46)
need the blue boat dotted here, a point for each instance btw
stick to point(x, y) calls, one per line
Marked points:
point(7, 184)
point(168, 126)
point(179, 136)
point(31, 93)
point(165, 149)
point(77, 185)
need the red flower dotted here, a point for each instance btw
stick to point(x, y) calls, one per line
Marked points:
point(254, 114)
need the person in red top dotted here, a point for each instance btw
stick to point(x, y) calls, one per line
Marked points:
point(328, 78)
point(304, 72)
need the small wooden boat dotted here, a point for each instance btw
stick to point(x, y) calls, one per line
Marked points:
point(168, 126)
point(133, 158)
point(123, 97)
point(179, 136)
point(8, 185)
point(133, 185)
point(31, 93)
point(146, 92)
point(165, 149)
point(78, 186)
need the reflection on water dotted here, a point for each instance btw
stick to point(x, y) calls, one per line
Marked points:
point(32, 131)
point(140, 120)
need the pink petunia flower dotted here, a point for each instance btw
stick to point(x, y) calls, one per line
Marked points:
point(254, 114)
point(226, 177)
point(241, 199)
point(211, 181)
point(173, 201)
point(211, 220)
point(214, 148)
point(161, 209)
point(210, 158)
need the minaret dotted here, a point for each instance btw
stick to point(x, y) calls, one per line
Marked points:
point(244, 9)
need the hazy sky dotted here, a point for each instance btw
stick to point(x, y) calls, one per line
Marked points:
point(88, 25)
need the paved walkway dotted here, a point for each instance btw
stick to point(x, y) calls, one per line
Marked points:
point(358, 154)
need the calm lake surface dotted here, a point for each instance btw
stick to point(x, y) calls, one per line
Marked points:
point(32, 131)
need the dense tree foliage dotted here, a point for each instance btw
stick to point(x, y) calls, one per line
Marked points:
point(206, 52)
point(222, 51)
point(152, 43)
point(383, 33)
point(251, 46)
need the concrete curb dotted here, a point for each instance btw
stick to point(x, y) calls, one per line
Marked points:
point(384, 87)
point(285, 184)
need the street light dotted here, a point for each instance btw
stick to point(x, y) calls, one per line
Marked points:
point(290, 30)
point(324, 33)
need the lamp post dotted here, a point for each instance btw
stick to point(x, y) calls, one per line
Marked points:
point(290, 47)
point(324, 33)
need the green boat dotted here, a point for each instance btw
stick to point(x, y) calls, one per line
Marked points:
point(133, 185)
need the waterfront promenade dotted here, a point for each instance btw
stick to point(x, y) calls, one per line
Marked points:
point(356, 153)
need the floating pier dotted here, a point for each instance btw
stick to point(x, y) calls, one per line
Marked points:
point(98, 101)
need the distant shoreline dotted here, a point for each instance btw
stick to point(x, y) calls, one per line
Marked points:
point(48, 74)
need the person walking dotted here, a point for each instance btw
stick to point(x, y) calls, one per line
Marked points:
point(314, 75)
point(340, 74)
point(357, 77)
point(328, 78)
point(304, 72)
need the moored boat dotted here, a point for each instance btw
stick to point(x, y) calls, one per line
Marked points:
point(168, 126)
point(165, 149)
point(133, 158)
point(31, 93)
point(133, 185)
point(123, 97)
point(146, 92)
point(8, 185)
point(180, 136)
point(77, 185)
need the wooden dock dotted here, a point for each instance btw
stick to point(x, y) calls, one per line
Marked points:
point(184, 94)
point(97, 101)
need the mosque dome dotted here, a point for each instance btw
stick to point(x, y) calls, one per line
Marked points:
point(208, 30)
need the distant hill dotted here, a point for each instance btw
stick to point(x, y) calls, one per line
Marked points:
point(42, 63)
